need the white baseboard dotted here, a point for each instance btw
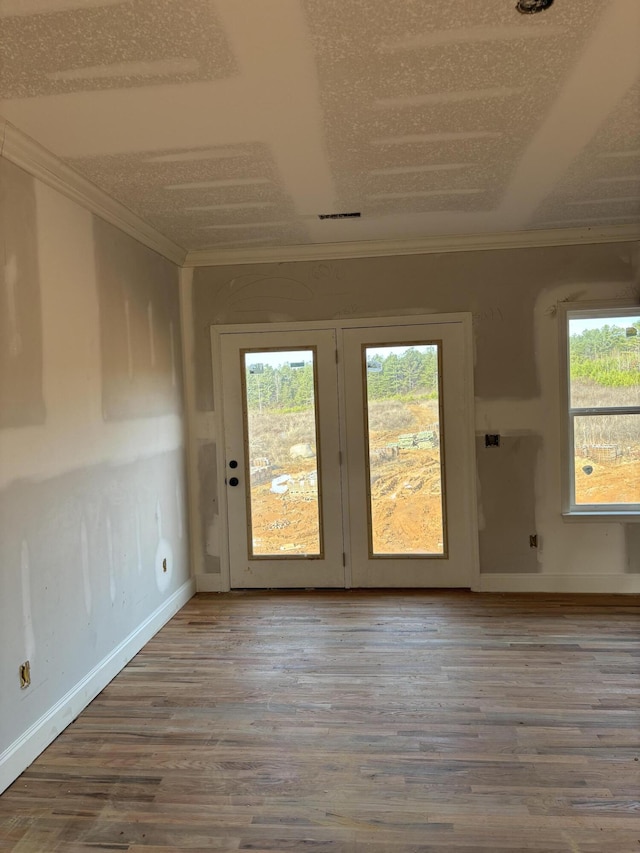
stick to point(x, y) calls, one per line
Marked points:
point(494, 582)
point(211, 583)
point(23, 751)
point(541, 582)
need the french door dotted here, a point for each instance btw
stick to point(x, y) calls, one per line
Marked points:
point(348, 454)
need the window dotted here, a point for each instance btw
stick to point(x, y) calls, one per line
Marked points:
point(603, 411)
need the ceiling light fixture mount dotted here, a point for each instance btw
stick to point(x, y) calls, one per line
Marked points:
point(530, 7)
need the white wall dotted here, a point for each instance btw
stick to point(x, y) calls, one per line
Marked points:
point(92, 458)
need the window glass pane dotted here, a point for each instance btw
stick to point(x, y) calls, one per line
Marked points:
point(281, 437)
point(604, 361)
point(607, 459)
point(404, 438)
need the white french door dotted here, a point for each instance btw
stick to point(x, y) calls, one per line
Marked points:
point(410, 466)
point(282, 458)
point(348, 454)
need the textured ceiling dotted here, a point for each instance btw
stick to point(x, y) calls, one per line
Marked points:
point(233, 123)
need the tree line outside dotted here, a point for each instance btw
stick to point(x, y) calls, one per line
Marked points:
point(410, 375)
point(282, 389)
point(607, 356)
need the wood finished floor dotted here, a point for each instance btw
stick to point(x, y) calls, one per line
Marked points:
point(352, 722)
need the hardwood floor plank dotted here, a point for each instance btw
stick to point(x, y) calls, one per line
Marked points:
point(385, 722)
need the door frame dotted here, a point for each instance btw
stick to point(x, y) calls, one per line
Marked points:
point(464, 318)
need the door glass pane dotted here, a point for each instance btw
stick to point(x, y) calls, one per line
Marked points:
point(403, 396)
point(607, 459)
point(604, 357)
point(281, 438)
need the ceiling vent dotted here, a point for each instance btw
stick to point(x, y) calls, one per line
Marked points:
point(339, 215)
point(530, 7)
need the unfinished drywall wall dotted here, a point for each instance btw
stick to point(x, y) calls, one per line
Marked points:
point(507, 474)
point(208, 505)
point(499, 288)
point(93, 528)
point(139, 327)
point(513, 296)
point(21, 399)
point(633, 547)
point(85, 552)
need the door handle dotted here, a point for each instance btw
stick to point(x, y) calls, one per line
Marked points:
point(233, 463)
point(233, 481)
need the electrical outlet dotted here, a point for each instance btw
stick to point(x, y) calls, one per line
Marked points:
point(533, 540)
point(25, 674)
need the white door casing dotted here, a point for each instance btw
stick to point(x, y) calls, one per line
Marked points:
point(344, 488)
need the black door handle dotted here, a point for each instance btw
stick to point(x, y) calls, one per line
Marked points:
point(233, 481)
point(233, 464)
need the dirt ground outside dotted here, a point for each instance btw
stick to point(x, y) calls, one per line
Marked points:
point(407, 500)
point(405, 483)
point(607, 482)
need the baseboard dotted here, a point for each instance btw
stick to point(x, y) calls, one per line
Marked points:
point(211, 583)
point(23, 751)
point(494, 582)
point(540, 582)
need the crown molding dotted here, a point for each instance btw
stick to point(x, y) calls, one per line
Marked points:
point(29, 155)
point(421, 246)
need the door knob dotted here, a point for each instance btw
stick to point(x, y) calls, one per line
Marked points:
point(233, 481)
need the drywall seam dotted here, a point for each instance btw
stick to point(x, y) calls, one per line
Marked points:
point(37, 452)
point(541, 582)
point(421, 246)
point(19, 755)
point(29, 155)
point(188, 385)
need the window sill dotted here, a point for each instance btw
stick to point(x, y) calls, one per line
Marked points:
point(611, 517)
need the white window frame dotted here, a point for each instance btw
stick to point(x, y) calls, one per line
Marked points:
point(571, 510)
